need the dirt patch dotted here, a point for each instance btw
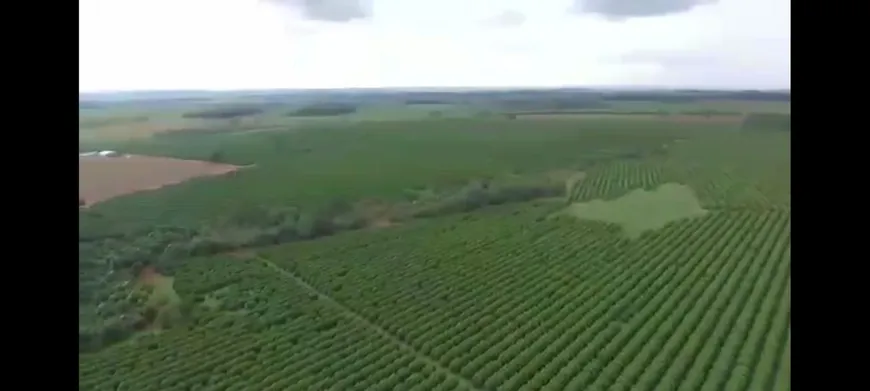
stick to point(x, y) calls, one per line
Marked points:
point(102, 178)
point(161, 308)
point(675, 118)
point(148, 276)
point(381, 223)
point(379, 214)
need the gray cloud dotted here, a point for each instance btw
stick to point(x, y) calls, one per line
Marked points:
point(507, 18)
point(329, 10)
point(624, 9)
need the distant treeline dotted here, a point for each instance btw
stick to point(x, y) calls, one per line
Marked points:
point(424, 101)
point(558, 103)
point(340, 102)
point(358, 97)
point(224, 112)
point(324, 109)
point(529, 100)
point(692, 96)
point(575, 96)
point(238, 111)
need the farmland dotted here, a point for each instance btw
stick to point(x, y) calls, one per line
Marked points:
point(104, 178)
point(388, 249)
point(718, 118)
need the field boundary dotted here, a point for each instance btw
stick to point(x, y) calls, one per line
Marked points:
point(353, 315)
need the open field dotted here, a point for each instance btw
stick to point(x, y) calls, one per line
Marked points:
point(102, 178)
point(679, 118)
point(399, 250)
point(737, 106)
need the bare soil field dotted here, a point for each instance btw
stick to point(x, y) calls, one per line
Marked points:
point(676, 118)
point(102, 178)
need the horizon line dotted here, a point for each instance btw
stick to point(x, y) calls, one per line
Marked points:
point(446, 88)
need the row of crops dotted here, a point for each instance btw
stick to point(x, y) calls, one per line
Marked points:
point(738, 171)
point(500, 300)
point(269, 334)
point(693, 306)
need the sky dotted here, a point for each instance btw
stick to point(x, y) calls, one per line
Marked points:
point(127, 45)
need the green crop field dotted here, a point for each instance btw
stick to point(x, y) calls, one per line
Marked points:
point(401, 250)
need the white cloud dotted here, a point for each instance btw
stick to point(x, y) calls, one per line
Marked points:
point(233, 44)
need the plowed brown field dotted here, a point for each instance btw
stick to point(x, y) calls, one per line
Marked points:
point(102, 178)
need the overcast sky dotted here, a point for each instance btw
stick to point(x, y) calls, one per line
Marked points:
point(251, 44)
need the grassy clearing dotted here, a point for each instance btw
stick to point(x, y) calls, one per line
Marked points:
point(162, 307)
point(642, 210)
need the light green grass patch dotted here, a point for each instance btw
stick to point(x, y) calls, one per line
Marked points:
point(165, 300)
point(642, 210)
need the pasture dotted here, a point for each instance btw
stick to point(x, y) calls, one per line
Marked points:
point(386, 247)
